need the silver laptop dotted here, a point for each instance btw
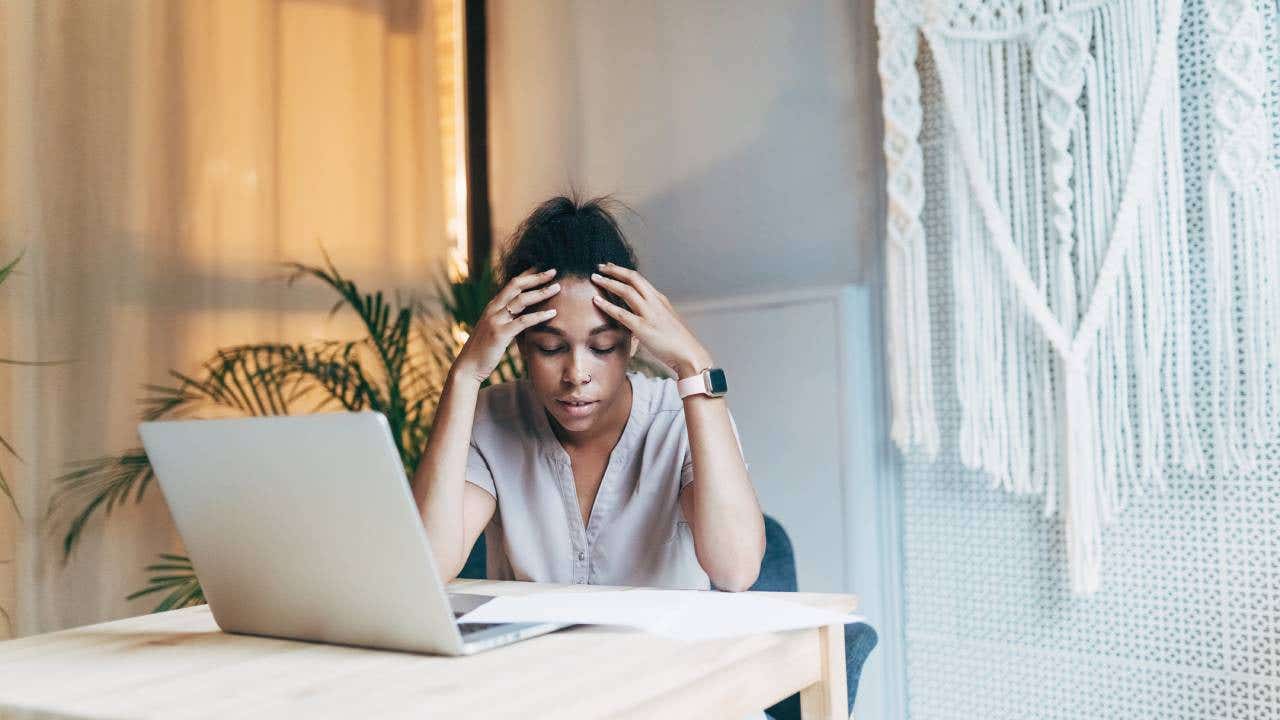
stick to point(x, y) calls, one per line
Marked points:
point(304, 527)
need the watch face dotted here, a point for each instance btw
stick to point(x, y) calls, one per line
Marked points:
point(719, 385)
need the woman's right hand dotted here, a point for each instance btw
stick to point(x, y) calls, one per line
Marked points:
point(497, 327)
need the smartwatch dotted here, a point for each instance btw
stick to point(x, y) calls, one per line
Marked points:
point(710, 381)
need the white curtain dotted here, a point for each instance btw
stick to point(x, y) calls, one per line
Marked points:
point(157, 159)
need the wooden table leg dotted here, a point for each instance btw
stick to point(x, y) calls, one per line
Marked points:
point(828, 699)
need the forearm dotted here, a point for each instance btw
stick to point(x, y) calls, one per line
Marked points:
point(727, 522)
point(439, 479)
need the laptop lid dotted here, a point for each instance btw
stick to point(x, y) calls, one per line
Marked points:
point(304, 527)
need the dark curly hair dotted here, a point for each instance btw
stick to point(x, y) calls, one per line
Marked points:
point(571, 236)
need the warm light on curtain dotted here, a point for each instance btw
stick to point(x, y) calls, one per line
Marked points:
point(450, 88)
point(157, 159)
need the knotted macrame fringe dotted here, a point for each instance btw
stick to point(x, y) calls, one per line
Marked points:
point(1243, 231)
point(906, 262)
point(1068, 256)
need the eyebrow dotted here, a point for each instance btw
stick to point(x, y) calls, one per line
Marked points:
point(543, 327)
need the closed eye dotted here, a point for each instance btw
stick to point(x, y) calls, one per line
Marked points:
point(562, 348)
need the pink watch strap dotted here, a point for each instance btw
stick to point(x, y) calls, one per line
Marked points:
point(692, 385)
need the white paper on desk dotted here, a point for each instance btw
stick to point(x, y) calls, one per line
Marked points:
point(681, 614)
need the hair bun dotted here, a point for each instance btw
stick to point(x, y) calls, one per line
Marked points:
point(571, 236)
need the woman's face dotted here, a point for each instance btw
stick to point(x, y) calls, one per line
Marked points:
point(579, 354)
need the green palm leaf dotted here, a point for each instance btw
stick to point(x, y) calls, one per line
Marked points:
point(4, 482)
point(465, 300)
point(4, 271)
point(4, 274)
point(389, 335)
point(97, 485)
point(267, 379)
point(178, 577)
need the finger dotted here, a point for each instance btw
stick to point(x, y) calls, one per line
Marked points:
point(519, 284)
point(635, 278)
point(629, 319)
point(526, 320)
point(532, 297)
point(621, 289)
point(528, 279)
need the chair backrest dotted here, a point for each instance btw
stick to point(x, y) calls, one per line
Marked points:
point(474, 568)
point(777, 569)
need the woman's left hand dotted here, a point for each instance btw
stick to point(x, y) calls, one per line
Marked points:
point(651, 319)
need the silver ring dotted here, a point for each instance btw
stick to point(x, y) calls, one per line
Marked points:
point(508, 309)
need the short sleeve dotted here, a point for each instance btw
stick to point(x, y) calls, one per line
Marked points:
point(478, 472)
point(686, 469)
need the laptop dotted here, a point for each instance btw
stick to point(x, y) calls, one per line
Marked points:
point(304, 527)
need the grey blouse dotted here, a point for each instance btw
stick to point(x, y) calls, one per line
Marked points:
point(636, 535)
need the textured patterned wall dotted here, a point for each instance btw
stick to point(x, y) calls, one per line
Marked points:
point(1187, 624)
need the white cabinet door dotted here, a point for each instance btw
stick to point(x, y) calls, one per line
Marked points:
point(782, 357)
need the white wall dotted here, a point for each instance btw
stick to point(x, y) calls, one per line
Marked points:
point(745, 134)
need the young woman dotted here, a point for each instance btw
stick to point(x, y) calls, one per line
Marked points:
point(584, 471)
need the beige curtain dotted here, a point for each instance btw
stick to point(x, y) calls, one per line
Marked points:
point(156, 160)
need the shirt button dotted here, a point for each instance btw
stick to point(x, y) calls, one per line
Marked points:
point(581, 555)
point(582, 581)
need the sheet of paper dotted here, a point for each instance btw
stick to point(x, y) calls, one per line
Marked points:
point(682, 614)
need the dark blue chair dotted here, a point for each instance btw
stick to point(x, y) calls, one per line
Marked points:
point(778, 574)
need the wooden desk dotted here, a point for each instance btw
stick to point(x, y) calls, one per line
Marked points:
point(178, 664)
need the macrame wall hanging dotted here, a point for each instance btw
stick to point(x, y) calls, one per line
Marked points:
point(1069, 262)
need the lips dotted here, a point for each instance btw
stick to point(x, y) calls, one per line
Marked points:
point(580, 408)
